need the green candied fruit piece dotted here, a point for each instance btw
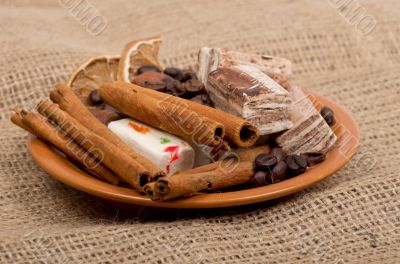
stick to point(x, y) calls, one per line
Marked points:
point(164, 140)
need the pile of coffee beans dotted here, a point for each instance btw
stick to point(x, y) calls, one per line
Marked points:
point(174, 81)
point(276, 166)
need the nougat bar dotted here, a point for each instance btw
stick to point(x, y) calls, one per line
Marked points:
point(279, 69)
point(310, 132)
point(246, 91)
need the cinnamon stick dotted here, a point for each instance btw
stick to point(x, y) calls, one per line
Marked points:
point(39, 127)
point(128, 169)
point(181, 185)
point(70, 103)
point(16, 118)
point(216, 170)
point(238, 131)
point(174, 118)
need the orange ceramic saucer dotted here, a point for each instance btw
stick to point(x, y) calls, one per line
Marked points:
point(348, 140)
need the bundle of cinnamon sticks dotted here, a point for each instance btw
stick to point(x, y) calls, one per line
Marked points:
point(66, 123)
point(70, 127)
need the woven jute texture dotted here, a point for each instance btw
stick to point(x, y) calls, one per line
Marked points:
point(351, 217)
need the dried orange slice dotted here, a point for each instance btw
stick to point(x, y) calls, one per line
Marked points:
point(92, 74)
point(136, 54)
point(95, 72)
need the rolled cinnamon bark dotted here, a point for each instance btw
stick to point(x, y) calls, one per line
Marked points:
point(175, 118)
point(38, 126)
point(70, 103)
point(16, 118)
point(128, 169)
point(179, 185)
point(238, 131)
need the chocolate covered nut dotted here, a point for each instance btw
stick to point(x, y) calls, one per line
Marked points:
point(296, 164)
point(147, 68)
point(265, 162)
point(95, 97)
point(188, 75)
point(278, 153)
point(314, 158)
point(194, 87)
point(174, 73)
point(328, 115)
point(279, 172)
point(259, 179)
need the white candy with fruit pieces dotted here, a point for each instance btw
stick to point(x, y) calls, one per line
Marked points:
point(170, 153)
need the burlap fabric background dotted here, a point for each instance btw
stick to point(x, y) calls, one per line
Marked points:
point(352, 217)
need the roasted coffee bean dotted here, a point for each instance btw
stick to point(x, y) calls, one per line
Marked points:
point(152, 80)
point(265, 162)
point(175, 88)
point(168, 79)
point(278, 173)
point(188, 75)
point(148, 68)
point(314, 158)
point(259, 179)
point(95, 97)
point(194, 87)
point(328, 115)
point(159, 86)
point(278, 153)
point(148, 76)
point(175, 73)
point(296, 164)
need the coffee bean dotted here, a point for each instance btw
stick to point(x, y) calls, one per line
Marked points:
point(148, 68)
point(175, 88)
point(296, 164)
point(278, 153)
point(168, 79)
point(194, 87)
point(188, 75)
point(259, 179)
point(174, 73)
point(314, 158)
point(159, 86)
point(152, 80)
point(265, 162)
point(149, 76)
point(279, 172)
point(95, 97)
point(328, 115)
